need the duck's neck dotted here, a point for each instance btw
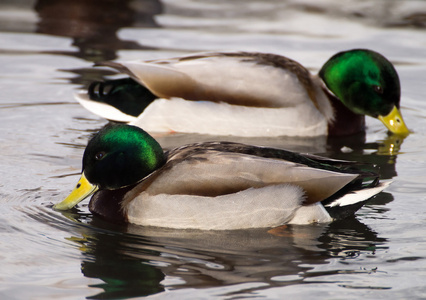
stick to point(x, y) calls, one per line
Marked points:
point(345, 121)
point(107, 204)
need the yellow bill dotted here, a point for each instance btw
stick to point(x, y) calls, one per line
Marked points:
point(394, 122)
point(82, 190)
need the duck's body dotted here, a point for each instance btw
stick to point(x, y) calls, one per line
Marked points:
point(244, 94)
point(215, 185)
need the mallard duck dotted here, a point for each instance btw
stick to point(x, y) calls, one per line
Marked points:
point(251, 94)
point(213, 185)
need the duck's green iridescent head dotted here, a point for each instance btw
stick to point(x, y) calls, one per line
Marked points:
point(117, 156)
point(367, 83)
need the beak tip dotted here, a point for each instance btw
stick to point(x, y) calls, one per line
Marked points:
point(395, 123)
point(61, 207)
point(402, 131)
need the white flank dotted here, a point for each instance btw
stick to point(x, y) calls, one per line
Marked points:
point(204, 117)
point(252, 208)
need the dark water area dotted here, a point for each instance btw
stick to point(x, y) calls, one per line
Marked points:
point(47, 51)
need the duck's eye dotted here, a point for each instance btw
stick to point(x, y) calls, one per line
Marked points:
point(99, 155)
point(378, 89)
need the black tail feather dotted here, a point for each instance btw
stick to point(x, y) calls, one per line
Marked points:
point(125, 94)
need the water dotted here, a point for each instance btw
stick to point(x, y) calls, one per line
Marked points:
point(47, 49)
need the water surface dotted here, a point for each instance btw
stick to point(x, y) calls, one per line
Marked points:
point(46, 52)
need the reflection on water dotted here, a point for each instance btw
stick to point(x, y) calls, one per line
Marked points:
point(383, 153)
point(105, 257)
point(138, 261)
point(93, 24)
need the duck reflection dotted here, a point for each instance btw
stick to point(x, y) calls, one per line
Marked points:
point(350, 237)
point(136, 261)
point(106, 257)
point(382, 152)
point(93, 25)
